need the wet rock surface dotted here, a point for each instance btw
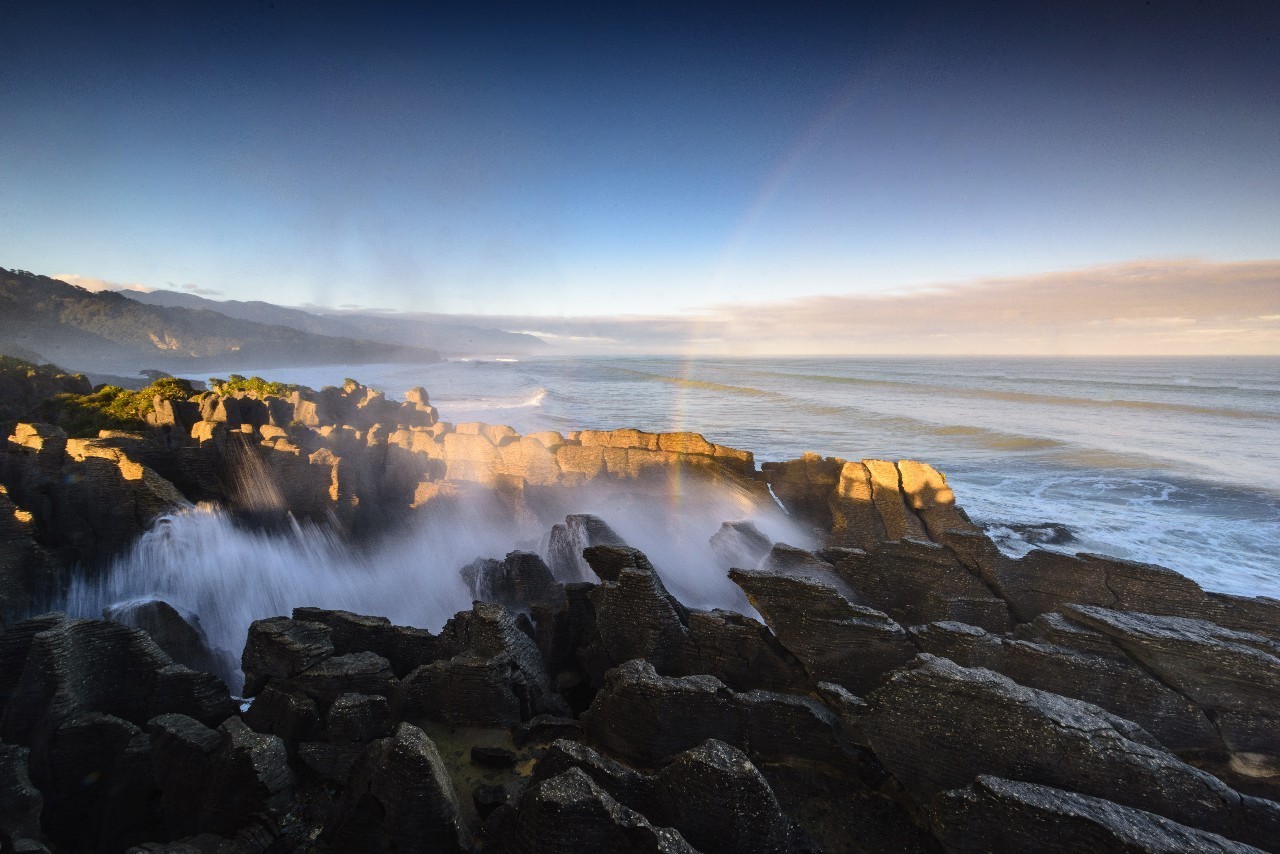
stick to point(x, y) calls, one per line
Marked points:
point(904, 686)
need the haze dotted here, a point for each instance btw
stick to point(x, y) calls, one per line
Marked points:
point(1084, 178)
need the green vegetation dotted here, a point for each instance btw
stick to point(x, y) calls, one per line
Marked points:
point(234, 383)
point(110, 407)
point(23, 384)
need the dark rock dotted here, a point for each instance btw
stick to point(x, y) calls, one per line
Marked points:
point(518, 581)
point(493, 757)
point(178, 634)
point(719, 801)
point(497, 678)
point(546, 728)
point(488, 797)
point(635, 615)
point(1042, 582)
point(280, 709)
point(182, 751)
point(28, 571)
point(358, 717)
point(56, 669)
point(1234, 676)
point(250, 775)
point(649, 719)
point(916, 581)
point(804, 486)
point(711, 794)
point(740, 545)
point(354, 673)
point(405, 647)
point(936, 726)
point(740, 652)
point(280, 648)
point(567, 540)
point(571, 813)
point(328, 760)
point(99, 784)
point(626, 785)
point(217, 781)
point(607, 561)
point(995, 815)
point(1057, 630)
point(836, 640)
point(561, 631)
point(20, 801)
point(399, 798)
point(1115, 684)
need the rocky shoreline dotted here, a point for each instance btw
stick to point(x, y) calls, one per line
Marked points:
point(904, 686)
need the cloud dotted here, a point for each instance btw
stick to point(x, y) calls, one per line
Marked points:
point(1175, 307)
point(198, 291)
point(89, 283)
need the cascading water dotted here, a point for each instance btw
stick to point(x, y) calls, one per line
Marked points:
point(200, 560)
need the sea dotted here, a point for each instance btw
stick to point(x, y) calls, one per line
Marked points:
point(1174, 461)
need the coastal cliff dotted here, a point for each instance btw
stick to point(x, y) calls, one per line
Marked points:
point(901, 684)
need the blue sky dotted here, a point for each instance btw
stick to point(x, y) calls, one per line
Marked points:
point(595, 159)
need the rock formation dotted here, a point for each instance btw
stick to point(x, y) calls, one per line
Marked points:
point(905, 686)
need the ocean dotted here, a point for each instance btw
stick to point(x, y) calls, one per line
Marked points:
point(1174, 461)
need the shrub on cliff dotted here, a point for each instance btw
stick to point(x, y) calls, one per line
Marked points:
point(235, 382)
point(110, 407)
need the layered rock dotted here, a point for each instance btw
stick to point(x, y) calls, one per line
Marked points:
point(937, 726)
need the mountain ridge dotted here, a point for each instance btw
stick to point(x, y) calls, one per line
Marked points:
point(109, 331)
point(445, 337)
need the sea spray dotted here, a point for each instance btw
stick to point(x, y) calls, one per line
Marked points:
point(206, 561)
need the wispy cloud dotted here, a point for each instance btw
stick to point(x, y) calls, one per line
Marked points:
point(90, 283)
point(195, 289)
point(1139, 308)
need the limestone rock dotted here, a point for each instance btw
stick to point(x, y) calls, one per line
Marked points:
point(740, 545)
point(355, 672)
point(179, 635)
point(571, 813)
point(497, 677)
point(280, 648)
point(836, 640)
point(20, 802)
point(1114, 683)
point(56, 669)
point(650, 719)
point(284, 710)
point(217, 781)
point(399, 798)
point(719, 801)
point(936, 726)
point(916, 581)
point(1234, 676)
point(564, 551)
point(358, 717)
point(520, 580)
point(1006, 817)
point(804, 486)
point(405, 647)
point(712, 794)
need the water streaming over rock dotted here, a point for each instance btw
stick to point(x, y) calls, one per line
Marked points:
point(204, 561)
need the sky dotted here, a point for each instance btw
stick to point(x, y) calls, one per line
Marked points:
point(697, 163)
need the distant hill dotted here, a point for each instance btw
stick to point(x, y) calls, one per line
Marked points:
point(110, 332)
point(412, 331)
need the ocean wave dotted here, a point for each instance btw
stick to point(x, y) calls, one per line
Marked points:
point(472, 404)
point(1032, 397)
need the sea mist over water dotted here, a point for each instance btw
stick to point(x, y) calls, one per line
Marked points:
point(1168, 460)
point(203, 561)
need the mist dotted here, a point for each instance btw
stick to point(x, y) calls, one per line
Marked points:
point(205, 561)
